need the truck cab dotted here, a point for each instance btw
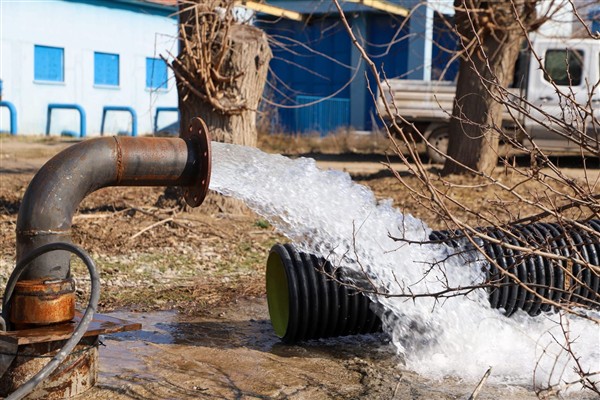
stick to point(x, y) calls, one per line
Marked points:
point(570, 77)
point(558, 106)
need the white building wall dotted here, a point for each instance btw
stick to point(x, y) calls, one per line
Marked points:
point(82, 29)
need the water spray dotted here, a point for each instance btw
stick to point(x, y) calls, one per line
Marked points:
point(327, 215)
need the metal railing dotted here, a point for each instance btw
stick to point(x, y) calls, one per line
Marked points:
point(130, 110)
point(77, 107)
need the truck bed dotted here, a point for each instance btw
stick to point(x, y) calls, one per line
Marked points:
point(418, 100)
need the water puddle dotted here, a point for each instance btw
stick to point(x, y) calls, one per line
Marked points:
point(235, 354)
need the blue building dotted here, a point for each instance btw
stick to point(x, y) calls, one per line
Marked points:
point(81, 67)
point(315, 62)
point(78, 67)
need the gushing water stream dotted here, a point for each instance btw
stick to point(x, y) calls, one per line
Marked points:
point(325, 213)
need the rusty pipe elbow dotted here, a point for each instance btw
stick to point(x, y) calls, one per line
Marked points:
point(48, 206)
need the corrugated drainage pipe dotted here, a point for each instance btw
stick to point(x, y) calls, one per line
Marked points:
point(306, 304)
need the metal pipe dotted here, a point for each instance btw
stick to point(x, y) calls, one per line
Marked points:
point(76, 107)
point(47, 209)
point(13, 115)
point(130, 110)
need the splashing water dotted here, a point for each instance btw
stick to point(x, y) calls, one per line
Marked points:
point(325, 213)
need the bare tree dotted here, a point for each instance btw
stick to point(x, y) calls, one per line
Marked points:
point(221, 70)
point(514, 195)
point(490, 34)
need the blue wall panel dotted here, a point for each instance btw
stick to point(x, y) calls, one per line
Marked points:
point(387, 45)
point(313, 59)
point(322, 115)
point(309, 59)
point(445, 43)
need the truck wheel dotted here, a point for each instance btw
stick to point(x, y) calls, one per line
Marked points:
point(438, 138)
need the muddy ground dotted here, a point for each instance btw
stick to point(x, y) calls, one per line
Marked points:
point(195, 279)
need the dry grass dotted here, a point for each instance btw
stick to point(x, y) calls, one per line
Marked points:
point(339, 142)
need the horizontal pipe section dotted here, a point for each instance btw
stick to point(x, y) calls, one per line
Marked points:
point(47, 209)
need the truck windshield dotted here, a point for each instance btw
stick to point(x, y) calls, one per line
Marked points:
point(564, 67)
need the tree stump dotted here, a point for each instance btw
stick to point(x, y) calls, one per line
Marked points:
point(221, 72)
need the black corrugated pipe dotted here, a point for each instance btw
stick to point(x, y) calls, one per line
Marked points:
point(564, 282)
point(305, 304)
point(46, 211)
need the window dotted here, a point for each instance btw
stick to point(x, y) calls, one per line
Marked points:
point(564, 67)
point(156, 73)
point(106, 69)
point(48, 63)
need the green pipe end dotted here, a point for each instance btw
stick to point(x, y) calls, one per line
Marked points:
point(277, 294)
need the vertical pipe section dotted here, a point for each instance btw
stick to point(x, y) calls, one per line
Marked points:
point(47, 209)
point(13, 115)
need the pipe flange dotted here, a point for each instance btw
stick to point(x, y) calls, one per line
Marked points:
point(199, 136)
point(42, 302)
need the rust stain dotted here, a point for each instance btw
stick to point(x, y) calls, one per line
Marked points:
point(42, 302)
point(100, 325)
point(77, 374)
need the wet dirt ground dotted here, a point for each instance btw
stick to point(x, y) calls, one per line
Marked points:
point(194, 278)
point(235, 355)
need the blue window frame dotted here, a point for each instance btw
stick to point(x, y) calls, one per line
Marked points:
point(106, 69)
point(156, 73)
point(48, 63)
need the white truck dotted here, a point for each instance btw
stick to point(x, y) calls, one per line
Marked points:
point(572, 64)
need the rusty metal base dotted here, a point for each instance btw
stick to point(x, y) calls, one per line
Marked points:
point(74, 376)
point(25, 352)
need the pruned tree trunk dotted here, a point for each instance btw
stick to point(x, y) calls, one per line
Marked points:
point(221, 71)
point(491, 39)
